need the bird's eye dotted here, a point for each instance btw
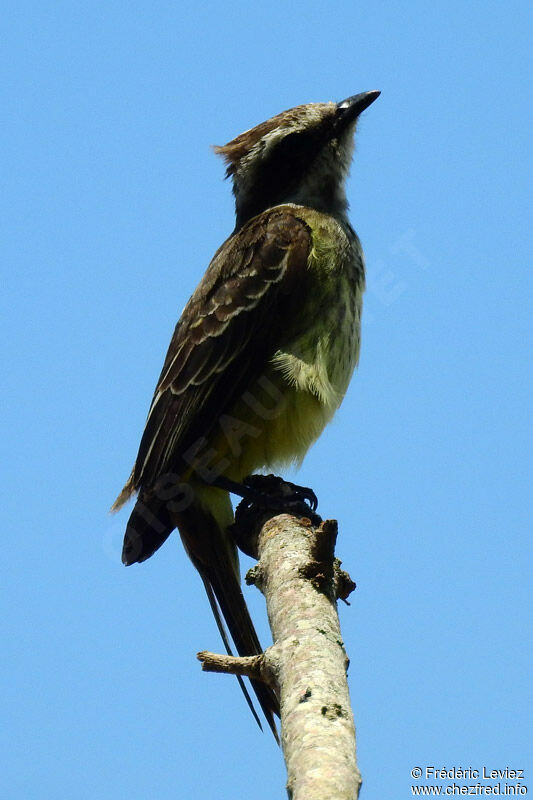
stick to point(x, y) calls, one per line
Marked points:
point(289, 143)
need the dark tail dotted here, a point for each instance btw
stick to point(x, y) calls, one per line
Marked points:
point(149, 526)
point(208, 549)
point(241, 628)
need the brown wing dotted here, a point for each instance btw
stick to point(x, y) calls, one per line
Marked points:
point(229, 329)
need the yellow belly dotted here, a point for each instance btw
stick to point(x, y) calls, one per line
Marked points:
point(274, 424)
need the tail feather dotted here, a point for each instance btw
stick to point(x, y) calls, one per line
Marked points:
point(224, 636)
point(232, 604)
point(206, 543)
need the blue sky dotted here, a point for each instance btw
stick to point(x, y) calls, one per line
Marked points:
point(112, 207)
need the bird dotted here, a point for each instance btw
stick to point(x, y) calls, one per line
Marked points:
point(261, 357)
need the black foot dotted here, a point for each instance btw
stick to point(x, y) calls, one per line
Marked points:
point(270, 491)
point(267, 493)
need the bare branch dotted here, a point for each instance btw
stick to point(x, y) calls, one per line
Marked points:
point(255, 667)
point(300, 578)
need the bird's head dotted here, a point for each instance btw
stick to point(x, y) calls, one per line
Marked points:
point(301, 156)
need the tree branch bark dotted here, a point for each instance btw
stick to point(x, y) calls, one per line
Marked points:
point(299, 577)
point(301, 581)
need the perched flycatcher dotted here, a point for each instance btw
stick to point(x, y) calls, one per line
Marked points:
point(262, 355)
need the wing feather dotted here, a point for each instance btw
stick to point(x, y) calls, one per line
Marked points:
point(229, 329)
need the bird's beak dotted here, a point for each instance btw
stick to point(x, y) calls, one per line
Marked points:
point(350, 108)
